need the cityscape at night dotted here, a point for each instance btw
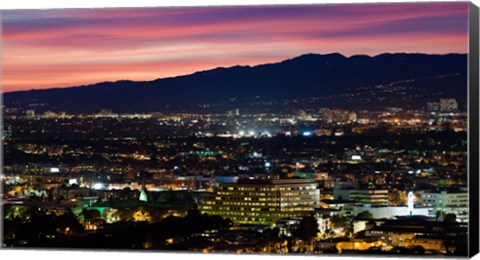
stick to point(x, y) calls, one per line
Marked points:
point(288, 137)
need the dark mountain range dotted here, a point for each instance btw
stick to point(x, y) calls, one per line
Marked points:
point(407, 80)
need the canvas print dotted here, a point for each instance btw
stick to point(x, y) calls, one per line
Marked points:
point(318, 129)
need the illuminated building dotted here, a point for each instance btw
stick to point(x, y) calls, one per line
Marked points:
point(433, 106)
point(359, 244)
point(324, 216)
point(49, 114)
point(287, 226)
point(263, 201)
point(323, 132)
point(394, 110)
point(448, 105)
point(30, 113)
point(6, 132)
point(105, 195)
point(370, 197)
point(373, 197)
point(344, 206)
point(143, 196)
point(411, 232)
point(428, 243)
point(446, 202)
point(337, 116)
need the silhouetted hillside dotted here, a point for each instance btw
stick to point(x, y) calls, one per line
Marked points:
point(331, 80)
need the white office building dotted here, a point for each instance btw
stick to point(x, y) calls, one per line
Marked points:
point(446, 202)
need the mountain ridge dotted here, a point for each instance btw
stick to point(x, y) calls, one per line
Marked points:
point(318, 74)
point(235, 66)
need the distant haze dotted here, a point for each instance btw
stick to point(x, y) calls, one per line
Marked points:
point(61, 48)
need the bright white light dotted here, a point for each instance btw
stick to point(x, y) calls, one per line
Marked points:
point(307, 133)
point(54, 170)
point(175, 167)
point(356, 157)
point(98, 186)
point(242, 133)
point(266, 133)
point(268, 164)
point(72, 181)
point(251, 133)
point(411, 198)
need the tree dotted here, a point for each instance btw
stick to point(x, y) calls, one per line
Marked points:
point(91, 214)
point(68, 222)
point(419, 250)
point(365, 214)
point(124, 214)
point(50, 194)
point(340, 222)
point(438, 215)
point(307, 230)
point(397, 197)
point(14, 211)
point(450, 218)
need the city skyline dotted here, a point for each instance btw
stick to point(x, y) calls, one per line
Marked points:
point(286, 129)
point(63, 48)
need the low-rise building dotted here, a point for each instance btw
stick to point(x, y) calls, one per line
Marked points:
point(324, 216)
point(370, 196)
point(446, 202)
point(414, 231)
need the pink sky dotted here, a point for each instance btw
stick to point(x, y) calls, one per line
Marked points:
point(61, 48)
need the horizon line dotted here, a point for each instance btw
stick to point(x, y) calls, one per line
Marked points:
point(238, 65)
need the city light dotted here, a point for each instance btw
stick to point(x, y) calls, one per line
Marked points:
point(307, 133)
point(98, 186)
point(356, 157)
point(283, 140)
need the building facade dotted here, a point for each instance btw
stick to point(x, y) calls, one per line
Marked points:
point(445, 202)
point(371, 196)
point(448, 105)
point(263, 201)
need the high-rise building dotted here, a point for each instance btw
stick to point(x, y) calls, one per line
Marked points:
point(6, 132)
point(337, 115)
point(30, 113)
point(49, 114)
point(263, 201)
point(448, 105)
point(433, 106)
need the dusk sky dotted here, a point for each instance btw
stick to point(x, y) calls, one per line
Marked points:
point(61, 48)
